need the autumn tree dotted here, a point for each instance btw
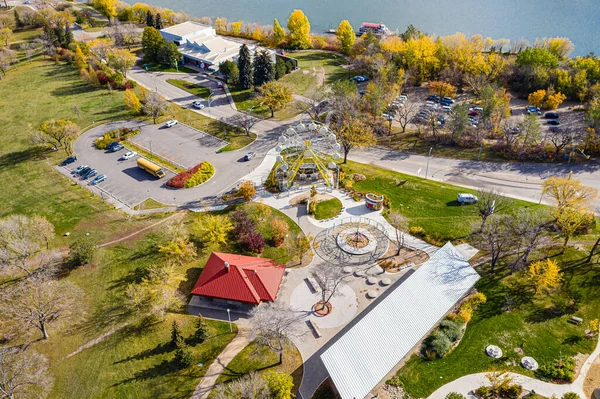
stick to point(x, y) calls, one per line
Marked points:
point(275, 96)
point(568, 193)
point(243, 121)
point(132, 102)
point(346, 36)
point(158, 292)
point(179, 249)
point(5, 35)
point(58, 133)
point(458, 121)
point(570, 221)
point(544, 274)
point(80, 59)
point(121, 59)
point(24, 374)
point(299, 29)
point(537, 98)
point(400, 224)
point(214, 229)
point(82, 251)
point(246, 190)
point(355, 133)
point(273, 324)
point(530, 130)
point(553, 100)
point(278, 33)
point(280, 231)
point(39, 303)
point(152, 41)
point(442, 89)
point(21, 239)
point(299, 245)
point(280, 384)
point(108, 8)
point(315, 105)
point(154, 105)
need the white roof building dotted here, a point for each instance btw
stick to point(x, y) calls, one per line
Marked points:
point(368, 351)
point(199, 44)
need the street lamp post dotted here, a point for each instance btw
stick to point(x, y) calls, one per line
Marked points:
point(229, 317)
point(151, 147)
point(428, 156)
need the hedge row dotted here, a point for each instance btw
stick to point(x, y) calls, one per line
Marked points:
point(114, 135)
point(193, 177)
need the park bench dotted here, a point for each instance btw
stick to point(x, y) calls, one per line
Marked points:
point(313, 326)
point(312, 284)
point(576, 320)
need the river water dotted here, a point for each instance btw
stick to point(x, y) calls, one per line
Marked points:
point(579, 20)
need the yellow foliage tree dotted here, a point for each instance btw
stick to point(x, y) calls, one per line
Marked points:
point(214, 229)
point(80, 60)
point(568, 193)
point(179, 250)
point(299, 28)
point(246, 190)
point(537, 98)
point(355, 133)
point(108, 8)
point(5, 35)
point(593, 326)
point(257, 34)
point(392, 45)
point(132, 102)
point(263, 211)
point(275, 96)
point(236, 28)
point(442, 89)
point(346, 36)
point(278, 32)
point(221, 25)
point(280, 230)
point(570, 221)
point(421, 57)
point(554, 100)
point(544, 274)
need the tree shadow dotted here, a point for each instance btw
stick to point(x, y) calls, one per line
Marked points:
point(159, 349)
point(542, 315)
point(161, 369)
point(572, 340)
point(12, 159)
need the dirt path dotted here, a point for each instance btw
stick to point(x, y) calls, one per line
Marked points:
point(207, 383)
point(96, 340)
point(106, 244)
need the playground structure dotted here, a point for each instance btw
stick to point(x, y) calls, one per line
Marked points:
point(374, 201)
point(574, 152)
point(307, 154)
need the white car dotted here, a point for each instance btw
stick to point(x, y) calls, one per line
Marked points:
point(128, 155)
point(171, 123)
point(464, 199)
point(198, 105)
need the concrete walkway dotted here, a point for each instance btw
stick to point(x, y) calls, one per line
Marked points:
point(207, 383)
point(470, 382)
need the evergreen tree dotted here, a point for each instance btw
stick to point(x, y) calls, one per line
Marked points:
point(18, 21)
point(158, 24)
point(152, 41)
point(245, 67)
point(183, 355)
point(175, 333)
point(280, 69)
point(59, 35)
point(201, 330)
point(68, 35)
point(149, 18)
point(264, 69)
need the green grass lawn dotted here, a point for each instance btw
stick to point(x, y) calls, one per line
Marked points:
point(245, 100)
point(328, 209)
point(316, 69)
point(165, 68)
point(426, 203)
point(236, 137)
point(29, 183)
point(26, 34)
point(261, 359)
point(149, 203)
point(529, 325)
point(197, 90)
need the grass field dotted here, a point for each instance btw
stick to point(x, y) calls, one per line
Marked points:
point(426, 203)
point(261, 359)
point(165, 68)
point(149, 203)
point(234, 136)
point(530, 325)
point(197, 90)
point(328, 209)
point(317, 68)
point(245, 100)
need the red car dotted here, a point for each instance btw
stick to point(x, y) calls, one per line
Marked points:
point(220, 85)
point(473, 113)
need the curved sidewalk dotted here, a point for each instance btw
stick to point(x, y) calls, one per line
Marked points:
point(468, 383)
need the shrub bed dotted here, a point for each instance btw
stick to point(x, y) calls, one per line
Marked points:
point(114, 135)
point(193, 177)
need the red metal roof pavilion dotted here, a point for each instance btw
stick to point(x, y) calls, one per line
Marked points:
point(239, 278)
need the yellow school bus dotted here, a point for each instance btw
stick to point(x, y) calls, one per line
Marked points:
point(150, 167)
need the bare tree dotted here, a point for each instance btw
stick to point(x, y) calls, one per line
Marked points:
point(329, 278)
point(315, 105)
point(562, 137)
point(476, 82)
point(530, 229)
point(400, 224)
point(490, 201)
point(7, 59)
point(155, 105)
point(38, 302)
point(496, 237)
point(23, 374)
point(243, 121)
point(57, 133)
point(125, 35)
point(405, 113)
point(591, 255)
point(272, 324)
point(250, 386)
point(21, 238)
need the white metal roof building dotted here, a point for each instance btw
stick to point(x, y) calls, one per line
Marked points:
point(366, 353)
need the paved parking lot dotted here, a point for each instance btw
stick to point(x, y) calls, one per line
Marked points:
point(180, 144)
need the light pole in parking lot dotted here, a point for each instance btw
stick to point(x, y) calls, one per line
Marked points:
point(427, 168)
point(151, 147)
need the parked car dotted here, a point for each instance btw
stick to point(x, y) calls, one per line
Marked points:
point(249, 156)
point(128, 155)
point(448, 99)
point(198, 105)
point(116, 148)
point(446, 108)
point(473, 113)
point(553, 122)
point(171, 123)
point(111, 145)
point(465, 199)
point(403, 97)
point(90, 173)
point(98, 179)
point(365, 78)
point(84, 170)
point(433, 97)
point(79, 169)
point(533, 110)
point(389, 117)
point(478, 109)
point(220, 85)
point(68, 161)
point(551, 115)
